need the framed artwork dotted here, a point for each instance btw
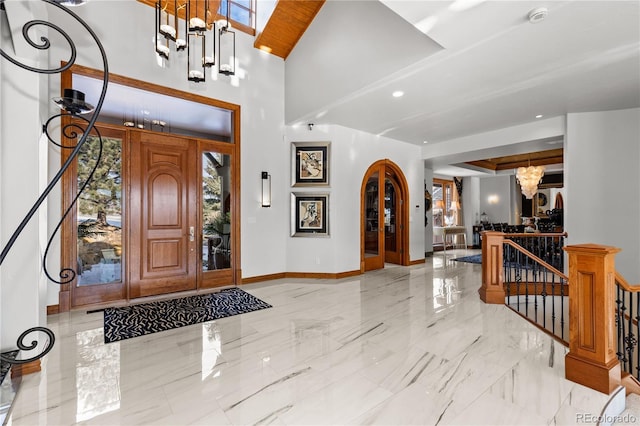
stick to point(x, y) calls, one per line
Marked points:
point(542, 202)
point(310, 163)
point(309, 214)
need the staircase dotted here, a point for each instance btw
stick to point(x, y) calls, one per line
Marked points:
point(591, 309)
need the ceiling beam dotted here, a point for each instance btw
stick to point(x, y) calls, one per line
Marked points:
point(540, 158)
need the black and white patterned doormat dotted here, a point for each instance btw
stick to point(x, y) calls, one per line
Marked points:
point(146, 318)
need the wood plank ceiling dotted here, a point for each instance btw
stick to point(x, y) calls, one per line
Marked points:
point(541, 158)
point(287, 24)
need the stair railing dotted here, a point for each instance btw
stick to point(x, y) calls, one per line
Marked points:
point(535, 289)
point(604, 310)
point(627, 319)
point(524, 271)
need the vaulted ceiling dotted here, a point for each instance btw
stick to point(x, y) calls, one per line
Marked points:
point(465, 67)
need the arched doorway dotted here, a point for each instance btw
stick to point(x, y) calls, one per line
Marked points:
point(384, 231)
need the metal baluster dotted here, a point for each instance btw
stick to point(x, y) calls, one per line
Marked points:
point(535, 289)
point(562, 309)
point(637, 296)
point(544, 299)
point(553, 304)
point(505, 264)
point(526, 285)
point(620, 344)
point(631, 340)
point(561, 253)
point(623, 308)
point(518, 274)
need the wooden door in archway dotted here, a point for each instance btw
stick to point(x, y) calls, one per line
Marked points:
point(384, 233)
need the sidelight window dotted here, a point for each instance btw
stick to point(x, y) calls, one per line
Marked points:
point(99, 213)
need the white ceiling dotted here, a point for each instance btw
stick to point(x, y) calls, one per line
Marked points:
point(462, 71)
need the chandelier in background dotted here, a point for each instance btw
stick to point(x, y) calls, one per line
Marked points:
point(196, 33)
point(529, 178)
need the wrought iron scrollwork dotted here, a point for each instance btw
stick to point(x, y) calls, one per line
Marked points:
point(69, 131)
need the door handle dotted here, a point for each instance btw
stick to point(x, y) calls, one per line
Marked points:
point(192, 233)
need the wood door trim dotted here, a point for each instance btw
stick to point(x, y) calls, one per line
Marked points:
point(68, 179)
point(151, 87)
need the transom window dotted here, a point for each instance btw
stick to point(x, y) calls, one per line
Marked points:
point(241, 13)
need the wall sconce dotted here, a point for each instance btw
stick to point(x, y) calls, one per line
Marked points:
point(493, 199)
point(266, 189)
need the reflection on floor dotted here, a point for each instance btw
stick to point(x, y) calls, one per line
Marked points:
point(403, 345)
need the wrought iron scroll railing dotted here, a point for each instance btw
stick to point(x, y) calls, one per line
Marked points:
point(627, 316)
point(534, 282)
point(39, 40)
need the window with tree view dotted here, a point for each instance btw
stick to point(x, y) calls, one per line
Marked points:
point(99, 213)
point(216, 211)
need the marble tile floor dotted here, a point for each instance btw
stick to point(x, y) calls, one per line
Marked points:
point(399, 346)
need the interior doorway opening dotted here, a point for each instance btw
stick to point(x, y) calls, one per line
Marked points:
point(384, 236)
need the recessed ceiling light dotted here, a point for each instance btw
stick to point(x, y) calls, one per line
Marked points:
point(537, 15)
point(539, 116)
point(398, 93)
point(425, 142)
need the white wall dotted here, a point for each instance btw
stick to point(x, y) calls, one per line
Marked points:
point(495, 198)
point(21, 283)
point(428, 230)
point(259, 89)
point(267, 247)
point(470, 204)
point(602, 184)
point(352, 152)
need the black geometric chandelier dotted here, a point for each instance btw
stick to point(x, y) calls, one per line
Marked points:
point(72, 104)
point(196, 33)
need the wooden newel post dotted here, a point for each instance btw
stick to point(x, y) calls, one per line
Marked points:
point(592, 359)
point(492, 290)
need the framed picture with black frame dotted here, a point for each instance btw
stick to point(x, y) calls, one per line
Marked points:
point(309, 214)
point(310, 163)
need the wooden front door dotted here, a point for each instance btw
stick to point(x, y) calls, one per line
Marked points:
point(163, 214)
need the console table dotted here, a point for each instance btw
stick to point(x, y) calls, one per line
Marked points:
point(444, 231)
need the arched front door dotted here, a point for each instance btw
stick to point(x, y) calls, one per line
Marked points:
point(384, 235)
